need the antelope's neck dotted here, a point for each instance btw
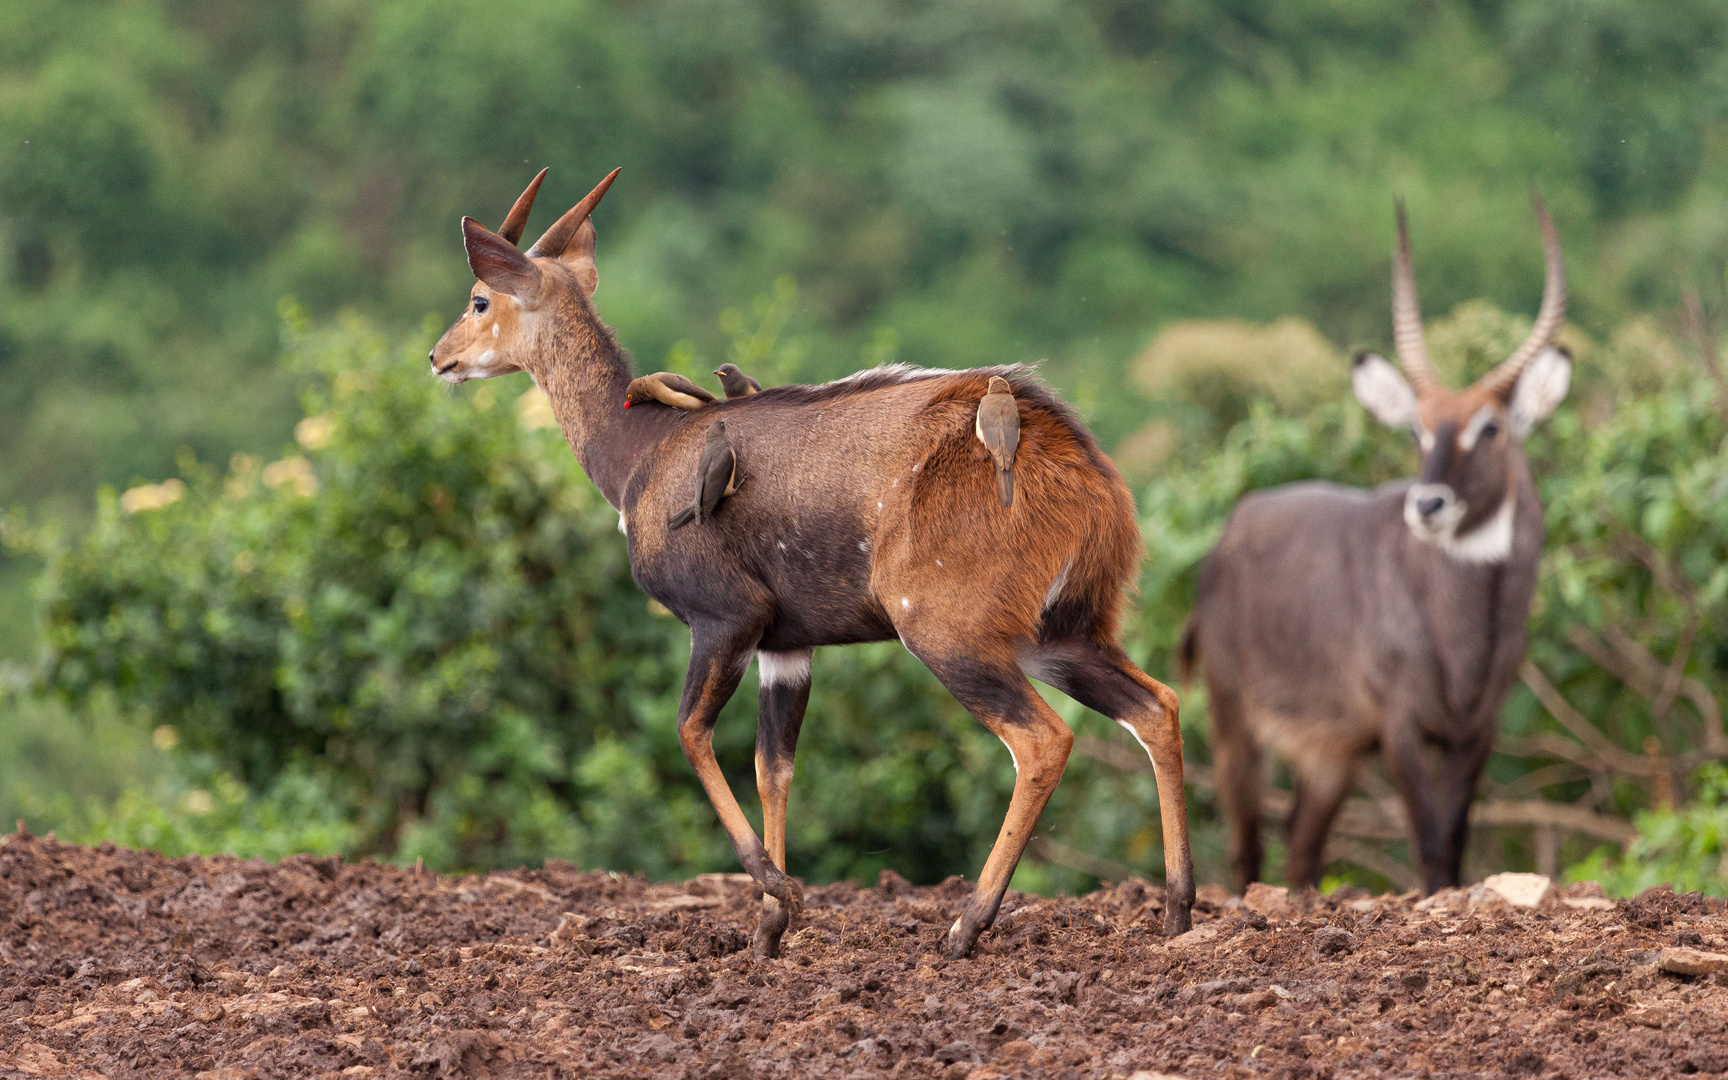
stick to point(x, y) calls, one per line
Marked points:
point(584, 374)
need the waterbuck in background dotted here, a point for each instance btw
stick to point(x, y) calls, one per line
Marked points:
point(871, 514)
point(1333, 621)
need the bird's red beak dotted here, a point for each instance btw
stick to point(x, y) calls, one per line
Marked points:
point(626, 403)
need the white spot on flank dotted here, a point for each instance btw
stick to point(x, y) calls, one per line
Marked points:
point(878, 504)
point(905, 604)
point(896, 482)
point(1057, 586)
point(938, 562)
point(783, 668)
point(864, 546)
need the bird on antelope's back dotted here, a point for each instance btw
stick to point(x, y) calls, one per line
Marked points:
point(717, 476)
point(668, 389)
point(735, 382)
point(998, 428)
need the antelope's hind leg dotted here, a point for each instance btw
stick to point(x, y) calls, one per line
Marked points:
point(1039, 742)
point(1105, 680)
point(718, 655)
point(784, 680)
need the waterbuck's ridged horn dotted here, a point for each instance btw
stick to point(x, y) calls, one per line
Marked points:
point(553, 241)
point(1502, 379)
point(1407, 316)
point(514, 221)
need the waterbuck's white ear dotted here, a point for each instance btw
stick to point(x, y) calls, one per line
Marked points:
point(1540, 390)
point(1383, 390)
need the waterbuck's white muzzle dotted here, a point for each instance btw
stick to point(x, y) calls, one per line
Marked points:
point(1433, 511)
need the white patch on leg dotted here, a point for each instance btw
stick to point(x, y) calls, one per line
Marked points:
point(1129, 728)
point(783, 668)
point(1011, 756)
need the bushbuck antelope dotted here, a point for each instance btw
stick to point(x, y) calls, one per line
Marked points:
point(1334, 621)
point(872, 515)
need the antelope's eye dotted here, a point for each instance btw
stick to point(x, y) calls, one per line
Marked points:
point(480, 305)
point(1490, 429)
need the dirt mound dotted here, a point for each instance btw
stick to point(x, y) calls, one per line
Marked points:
point(120, 963)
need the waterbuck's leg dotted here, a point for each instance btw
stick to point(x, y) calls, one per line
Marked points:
point(1460, 768)
point(784, 679)
point(1404, 751)
point(1322, 782)
point(718, 654)
point(1105, 680)
point(1236, 767)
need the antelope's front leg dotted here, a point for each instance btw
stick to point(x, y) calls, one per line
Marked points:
point(718, 655)
point(784, 679)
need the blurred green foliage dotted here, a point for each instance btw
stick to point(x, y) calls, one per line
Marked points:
point(420, 618)
point(420, 624)
point(1685, 849)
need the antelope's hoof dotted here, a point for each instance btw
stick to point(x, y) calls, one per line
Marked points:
point(1178, 919)
point(961, 939)
point(765, 942)
point(783, 888)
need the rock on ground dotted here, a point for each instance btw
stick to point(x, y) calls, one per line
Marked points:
point(117, 963)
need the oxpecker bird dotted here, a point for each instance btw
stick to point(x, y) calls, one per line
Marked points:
point(998, 429)
point(717, 476)
point(735, 382)
point(667, 389)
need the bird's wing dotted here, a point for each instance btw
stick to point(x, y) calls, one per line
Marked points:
point(999, 426)
point(715, 476)
point(683, 386)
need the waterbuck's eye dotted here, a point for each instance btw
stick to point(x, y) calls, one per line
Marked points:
point(480, 305)
point(1490, 429)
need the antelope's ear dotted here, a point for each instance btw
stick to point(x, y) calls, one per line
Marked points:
point(496, 261)
point(1383, 390)
point(1540, 390)
point(579, 257)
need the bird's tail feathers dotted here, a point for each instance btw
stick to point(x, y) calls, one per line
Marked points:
point(1005, 485)
point(681, 518)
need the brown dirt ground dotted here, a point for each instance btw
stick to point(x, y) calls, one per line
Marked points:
point(125, 964)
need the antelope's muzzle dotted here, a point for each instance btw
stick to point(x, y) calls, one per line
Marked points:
point(1433, 510)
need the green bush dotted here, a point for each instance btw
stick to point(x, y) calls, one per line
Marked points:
point(1685, 849)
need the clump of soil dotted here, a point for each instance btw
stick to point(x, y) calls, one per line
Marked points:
point(120, 963)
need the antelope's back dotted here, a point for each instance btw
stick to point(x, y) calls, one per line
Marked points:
point(876, 487)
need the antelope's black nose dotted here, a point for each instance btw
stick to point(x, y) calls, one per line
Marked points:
point(432, 355)
point(1429, 507)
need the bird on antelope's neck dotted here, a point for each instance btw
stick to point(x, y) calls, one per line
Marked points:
point(668, 389)
point(735, 382)
point(998, 428)
point(717, 476)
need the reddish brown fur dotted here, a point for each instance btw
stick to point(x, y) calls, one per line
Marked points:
point(869, 511)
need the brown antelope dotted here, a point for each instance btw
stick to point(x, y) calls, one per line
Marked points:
point(871, 515)
point(1334, 621)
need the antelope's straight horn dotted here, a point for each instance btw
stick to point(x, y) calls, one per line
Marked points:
point(554, 240)
point(1407, 316)
point(1502, 379)
point(514, 221)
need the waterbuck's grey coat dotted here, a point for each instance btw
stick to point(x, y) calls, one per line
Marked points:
point(1334, 622)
